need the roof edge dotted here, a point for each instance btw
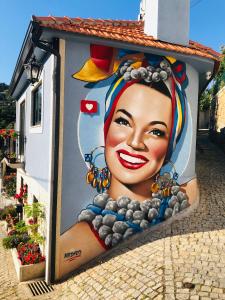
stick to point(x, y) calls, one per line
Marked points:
point(93, 27)
point(25, 51)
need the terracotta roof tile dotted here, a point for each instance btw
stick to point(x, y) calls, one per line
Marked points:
point(121, 30)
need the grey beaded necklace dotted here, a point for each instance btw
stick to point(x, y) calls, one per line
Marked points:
point(116, 220)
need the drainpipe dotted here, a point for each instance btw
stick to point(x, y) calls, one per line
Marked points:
point(53, 49)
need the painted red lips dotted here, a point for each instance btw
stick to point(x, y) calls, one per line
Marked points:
point(130, 160)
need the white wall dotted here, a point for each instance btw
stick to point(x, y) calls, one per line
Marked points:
point(38, 138)
point(38, 147)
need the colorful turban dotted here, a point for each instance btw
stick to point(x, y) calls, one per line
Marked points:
point(106, 61)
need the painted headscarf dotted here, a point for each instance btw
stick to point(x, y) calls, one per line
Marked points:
point(107, 61)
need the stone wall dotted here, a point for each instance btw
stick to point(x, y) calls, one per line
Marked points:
point(220, 110)
point(217, 119)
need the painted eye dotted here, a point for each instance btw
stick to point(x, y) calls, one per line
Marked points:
point(157, 132)
point(122, 121)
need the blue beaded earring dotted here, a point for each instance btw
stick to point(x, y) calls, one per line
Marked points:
point(165, 182)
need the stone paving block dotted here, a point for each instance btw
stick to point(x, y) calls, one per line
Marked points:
point(208, 282)
point(151, 283)
point(195, 297)
point(152, 295)
point(169, 290)
point(203, 294)
point(183, 291)
point(214, 296)
point(169, 297)
point(206, 288)
point(159, 297)
point(217, 290)
point(182, 296)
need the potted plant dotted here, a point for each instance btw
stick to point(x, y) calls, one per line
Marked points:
point(17, 234)
point(24, 240)
point(9, 183)
point(29, 253)
point(28, 260)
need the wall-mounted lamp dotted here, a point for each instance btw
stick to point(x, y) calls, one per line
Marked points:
point(33, 70)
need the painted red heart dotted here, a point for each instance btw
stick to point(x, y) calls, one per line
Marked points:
point(89, 106)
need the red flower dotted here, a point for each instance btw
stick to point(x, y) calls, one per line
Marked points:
point(12, 232)
point(31, 221)
point(29, 253)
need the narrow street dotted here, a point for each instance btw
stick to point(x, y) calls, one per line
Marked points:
point(183, 261)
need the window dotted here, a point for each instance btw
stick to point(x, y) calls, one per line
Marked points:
point(22, 129)
point(21, 182)
point(36, 106)
point(35, 200)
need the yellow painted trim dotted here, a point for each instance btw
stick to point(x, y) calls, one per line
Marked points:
point(179, 113)
point(171, 59)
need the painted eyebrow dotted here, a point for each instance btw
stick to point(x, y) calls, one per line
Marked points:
point(130, 116)
point(125, 112)
point(158, 122)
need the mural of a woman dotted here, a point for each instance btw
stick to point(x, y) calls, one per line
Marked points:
point(144, 119)
point(137, 141)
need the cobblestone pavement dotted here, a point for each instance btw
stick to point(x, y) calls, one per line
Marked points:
point(185, 260)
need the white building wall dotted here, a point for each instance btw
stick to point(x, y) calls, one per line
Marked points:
point(38, 138)
point(38, 146)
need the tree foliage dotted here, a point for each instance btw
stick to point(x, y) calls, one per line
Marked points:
point(219, 80)
point(217, 84)
point(7, 108)
point(205, 100)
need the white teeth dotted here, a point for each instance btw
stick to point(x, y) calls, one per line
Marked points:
point(131, 159)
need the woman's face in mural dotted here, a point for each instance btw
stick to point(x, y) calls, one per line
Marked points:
point(138, 136)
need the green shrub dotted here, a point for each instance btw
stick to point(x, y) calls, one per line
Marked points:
point(8, 242)
point(13, 241)
point(20, 224)
point(21, 227)
point(35, 210)
point(10, 186)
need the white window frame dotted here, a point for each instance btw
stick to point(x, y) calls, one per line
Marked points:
point(39, 127)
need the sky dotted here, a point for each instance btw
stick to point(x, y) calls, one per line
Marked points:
point(207, 21)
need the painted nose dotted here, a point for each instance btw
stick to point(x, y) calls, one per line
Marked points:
point(136, 141)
